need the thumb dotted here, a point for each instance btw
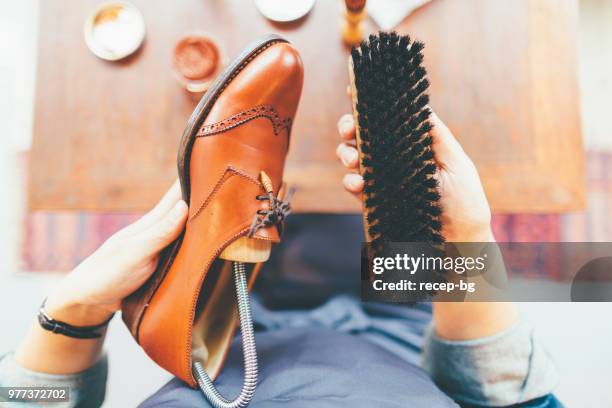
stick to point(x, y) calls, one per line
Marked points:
point(164, 230)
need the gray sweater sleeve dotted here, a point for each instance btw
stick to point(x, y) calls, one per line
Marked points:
point(505, 369)
point(87, 388)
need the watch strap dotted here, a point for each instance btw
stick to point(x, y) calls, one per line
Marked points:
point(77, 332)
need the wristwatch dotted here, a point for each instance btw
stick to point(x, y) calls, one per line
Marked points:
point(77, 332)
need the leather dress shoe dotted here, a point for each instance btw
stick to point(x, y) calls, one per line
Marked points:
point(231, 159)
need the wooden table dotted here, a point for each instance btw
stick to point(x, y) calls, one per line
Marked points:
point(503, 78)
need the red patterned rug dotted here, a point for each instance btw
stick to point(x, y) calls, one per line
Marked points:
point(56, 241)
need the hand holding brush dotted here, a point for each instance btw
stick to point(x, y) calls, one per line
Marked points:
point(414, 178)
point(466, 216)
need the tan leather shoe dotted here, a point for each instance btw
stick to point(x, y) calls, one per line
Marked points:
point(230, 161)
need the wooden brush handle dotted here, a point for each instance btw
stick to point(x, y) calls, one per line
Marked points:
point(364, 211)
point(355, 6)
point(352, 26)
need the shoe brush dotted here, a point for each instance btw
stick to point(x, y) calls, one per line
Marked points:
point(396, 160)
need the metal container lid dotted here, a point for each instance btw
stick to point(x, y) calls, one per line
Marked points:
point(284, 10)
point(114, 30)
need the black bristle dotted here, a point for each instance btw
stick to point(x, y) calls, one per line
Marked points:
point(402, 199)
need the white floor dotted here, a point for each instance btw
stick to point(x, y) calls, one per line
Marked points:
point(579, 336)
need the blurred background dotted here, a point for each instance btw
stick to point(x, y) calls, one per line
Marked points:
point(88, 144)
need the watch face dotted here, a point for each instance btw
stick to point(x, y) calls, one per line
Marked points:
point(284, 10)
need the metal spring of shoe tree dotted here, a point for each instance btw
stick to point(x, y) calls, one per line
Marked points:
point(248, 347)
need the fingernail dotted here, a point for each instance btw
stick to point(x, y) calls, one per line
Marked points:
point(345, 126)
point(344, 129)
point(353, 180)
point(349, 157)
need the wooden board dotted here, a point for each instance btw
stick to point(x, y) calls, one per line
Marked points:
point(503, 74)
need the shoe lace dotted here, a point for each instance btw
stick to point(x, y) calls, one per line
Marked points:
point(277, 210)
